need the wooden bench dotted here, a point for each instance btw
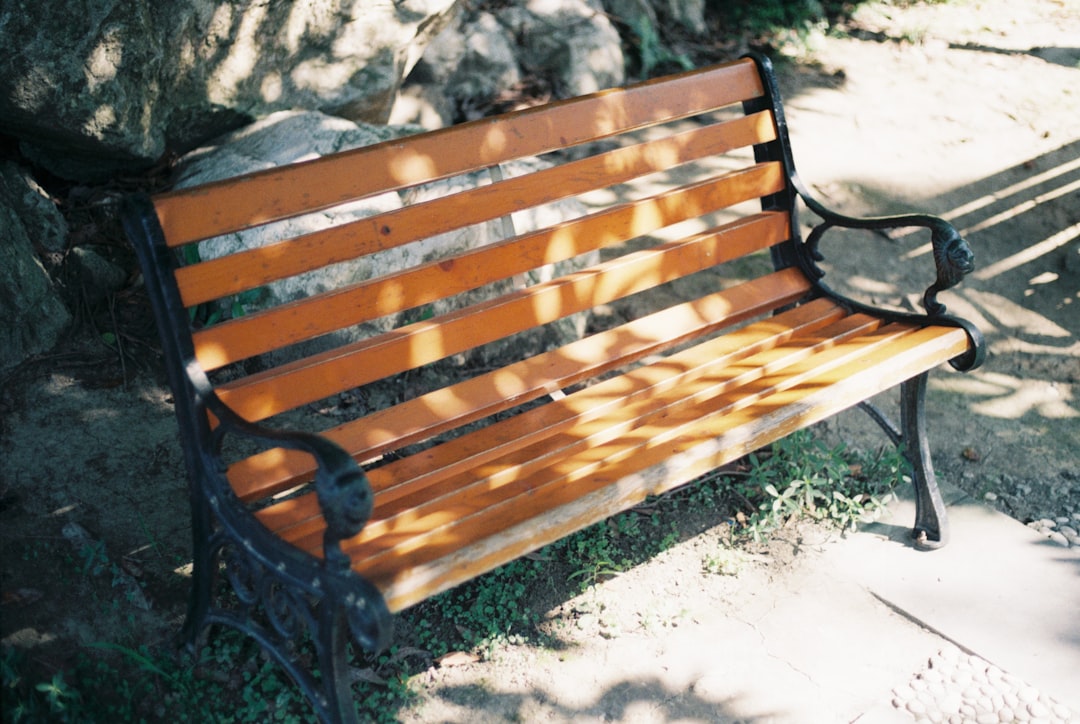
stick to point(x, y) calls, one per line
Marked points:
point(325, 533)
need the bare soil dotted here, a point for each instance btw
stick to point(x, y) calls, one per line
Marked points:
point(968, 110)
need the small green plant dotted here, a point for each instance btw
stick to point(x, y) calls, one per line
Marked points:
point(802, 477)
point(59, 696)
point(724, 562)
point(592, 555)
point(487, 611)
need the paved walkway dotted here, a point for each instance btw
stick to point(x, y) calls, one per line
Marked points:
point(1004, 600)
point(862, 629)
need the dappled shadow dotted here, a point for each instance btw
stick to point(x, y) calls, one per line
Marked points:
point(1068, 57)
point(624, 701)
point(1007, 274)
point(1024, 227)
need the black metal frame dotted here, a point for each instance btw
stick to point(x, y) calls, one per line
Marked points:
point(285, 597)
point(953, 259)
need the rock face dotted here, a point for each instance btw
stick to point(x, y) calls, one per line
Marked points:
point(99, 87)
point(116, 83)
point(282, 138)
point(570, 46)
point(33, 316)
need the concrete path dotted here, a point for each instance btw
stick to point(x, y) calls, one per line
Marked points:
point(861, 629)
point(999, 591)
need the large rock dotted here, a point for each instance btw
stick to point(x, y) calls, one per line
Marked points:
point(480, 63)
point(282, 138)
point(33, 315)
point(572, 39)
point(111, 84)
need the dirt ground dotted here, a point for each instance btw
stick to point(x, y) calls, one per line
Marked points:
point(969, 110)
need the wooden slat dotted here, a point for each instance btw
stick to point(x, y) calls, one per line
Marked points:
point(273, 471)
point(206, 211)
point(265, 394)
point(305, 319)
point(403, 478)
point(252, 268)
point(504, 454)
point(767, 410)
point(625, 484)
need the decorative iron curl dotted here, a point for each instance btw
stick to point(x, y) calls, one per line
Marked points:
point(264, 594)
point(290, 613)
point(953, 259)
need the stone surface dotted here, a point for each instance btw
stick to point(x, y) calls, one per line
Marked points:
point(282, 138)
point(33, 316)
point(550, 336)
point(125, 81)
point(563, 47)
point(92, 274)
point(573, 40)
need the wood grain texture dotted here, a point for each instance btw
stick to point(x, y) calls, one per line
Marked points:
point(216, 278)
point(305, 319)
point(200, 213)
point(540, 492)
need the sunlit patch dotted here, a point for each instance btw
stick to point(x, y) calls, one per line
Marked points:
point(1010, 314)
point(1011, 398)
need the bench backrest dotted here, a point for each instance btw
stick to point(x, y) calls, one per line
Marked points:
point(618, 152)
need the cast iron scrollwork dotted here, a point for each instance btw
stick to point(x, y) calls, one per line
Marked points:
point(953, 258)
point(286, 607)
point(285, 597)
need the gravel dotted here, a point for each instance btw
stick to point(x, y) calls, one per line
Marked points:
point(959, 688)
point(1062, 530)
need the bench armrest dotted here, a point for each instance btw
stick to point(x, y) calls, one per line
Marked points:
point(953, 258)
point(341, 487)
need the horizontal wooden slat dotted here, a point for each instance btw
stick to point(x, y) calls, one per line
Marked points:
point(497, 456)
point(397, 481)
point(276, 470)
point(540, 480)
point(206, 211)
point(265, 394)
point(736, 434)
point(235, 273)
point(305, 319)
point(591, 489)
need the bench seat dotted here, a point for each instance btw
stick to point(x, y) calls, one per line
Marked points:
point(448, 514)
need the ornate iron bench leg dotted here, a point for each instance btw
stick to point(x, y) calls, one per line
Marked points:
point(202, 575)
point(334, 665)
point(931, 524)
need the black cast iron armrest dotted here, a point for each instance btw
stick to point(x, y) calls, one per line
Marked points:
point(953, 257)
point(346, 501)
point(344, 494)
point(953, 260)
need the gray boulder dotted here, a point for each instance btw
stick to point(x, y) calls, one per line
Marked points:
point(487, 55)
point(117, 83)
point(279, 139)
point(572, 39)
point(33, 317)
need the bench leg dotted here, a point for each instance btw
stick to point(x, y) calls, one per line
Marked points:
point(202, 575)
point(339, 704)
point(931, 523)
